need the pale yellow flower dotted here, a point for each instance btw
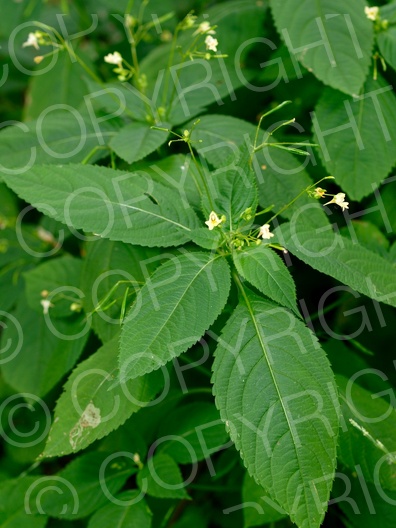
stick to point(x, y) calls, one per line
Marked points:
point(204, 27)
point(213, 221)
point(265, 232)
point(114, 58)
point(339, 199)
point(32, 40)
point(371, 12)
point(46, 304)
point(211, 43)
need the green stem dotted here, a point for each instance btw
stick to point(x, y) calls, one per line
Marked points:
point(170, 64)
point(297, 197)
point(92, 153)
point(265, 115)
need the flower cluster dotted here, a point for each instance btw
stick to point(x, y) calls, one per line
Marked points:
point(39, 38)
point(123, 73)
point(338, 199)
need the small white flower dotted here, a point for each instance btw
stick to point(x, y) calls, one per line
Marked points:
point(46, 304)
point(211, 43)
point(213, 221)
point(31, 41)
point(339, 199)
point(204, 27)
point(371, 12)
point(114, 58)
point(265, 232)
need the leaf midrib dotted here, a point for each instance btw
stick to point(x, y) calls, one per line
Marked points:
point(262, 344)
point(186, 289)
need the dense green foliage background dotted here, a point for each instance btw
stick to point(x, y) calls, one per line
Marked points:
point(197, 250)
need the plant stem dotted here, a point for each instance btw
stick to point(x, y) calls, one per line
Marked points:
point(297, 197)
point(170, 64)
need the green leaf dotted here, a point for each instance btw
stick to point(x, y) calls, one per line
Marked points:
point(62, 84)
point(137, 140)
point(222, 138)
point(19, 251)
point(195, 430)
point(117, 205)
point(163, 322)
point(337, 256)
point(365, 504)
point(265, 270)
point(368, 235)
point(330, 38)
point(177, 172)
point(194, 85)
point(161, 477)
point(386, 39)
point(60, 277)
point(48, 349)
point(367, 438)
point(44, 141)
point(282, 178)
point(105, 264)
point(233, 190)
point(134, 514)
point(90, 407)
point(8, 207)
point(258, 508)
point(360, 157)
point(276, 393)
point(85, 485)
point(13, 512)
point(117, 97)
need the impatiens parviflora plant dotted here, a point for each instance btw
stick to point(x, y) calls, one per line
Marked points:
point(203, 252)
point(255, 348)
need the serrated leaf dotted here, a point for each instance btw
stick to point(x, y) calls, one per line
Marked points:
point(117, 205)
point(48, 349)
point(60, 278)
point(134, 514)
point(276, 393)
point(337, 256)
point(83, 486)
point(331, 38)
point(90, 408)
point(222, 138)
point(361, 154)
point(45, 141)
point(162, 323)
point(137, 140)
point(266, 271)
point(367, 438)
point(177, 172)
point(233, 190)
point(161, 477)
